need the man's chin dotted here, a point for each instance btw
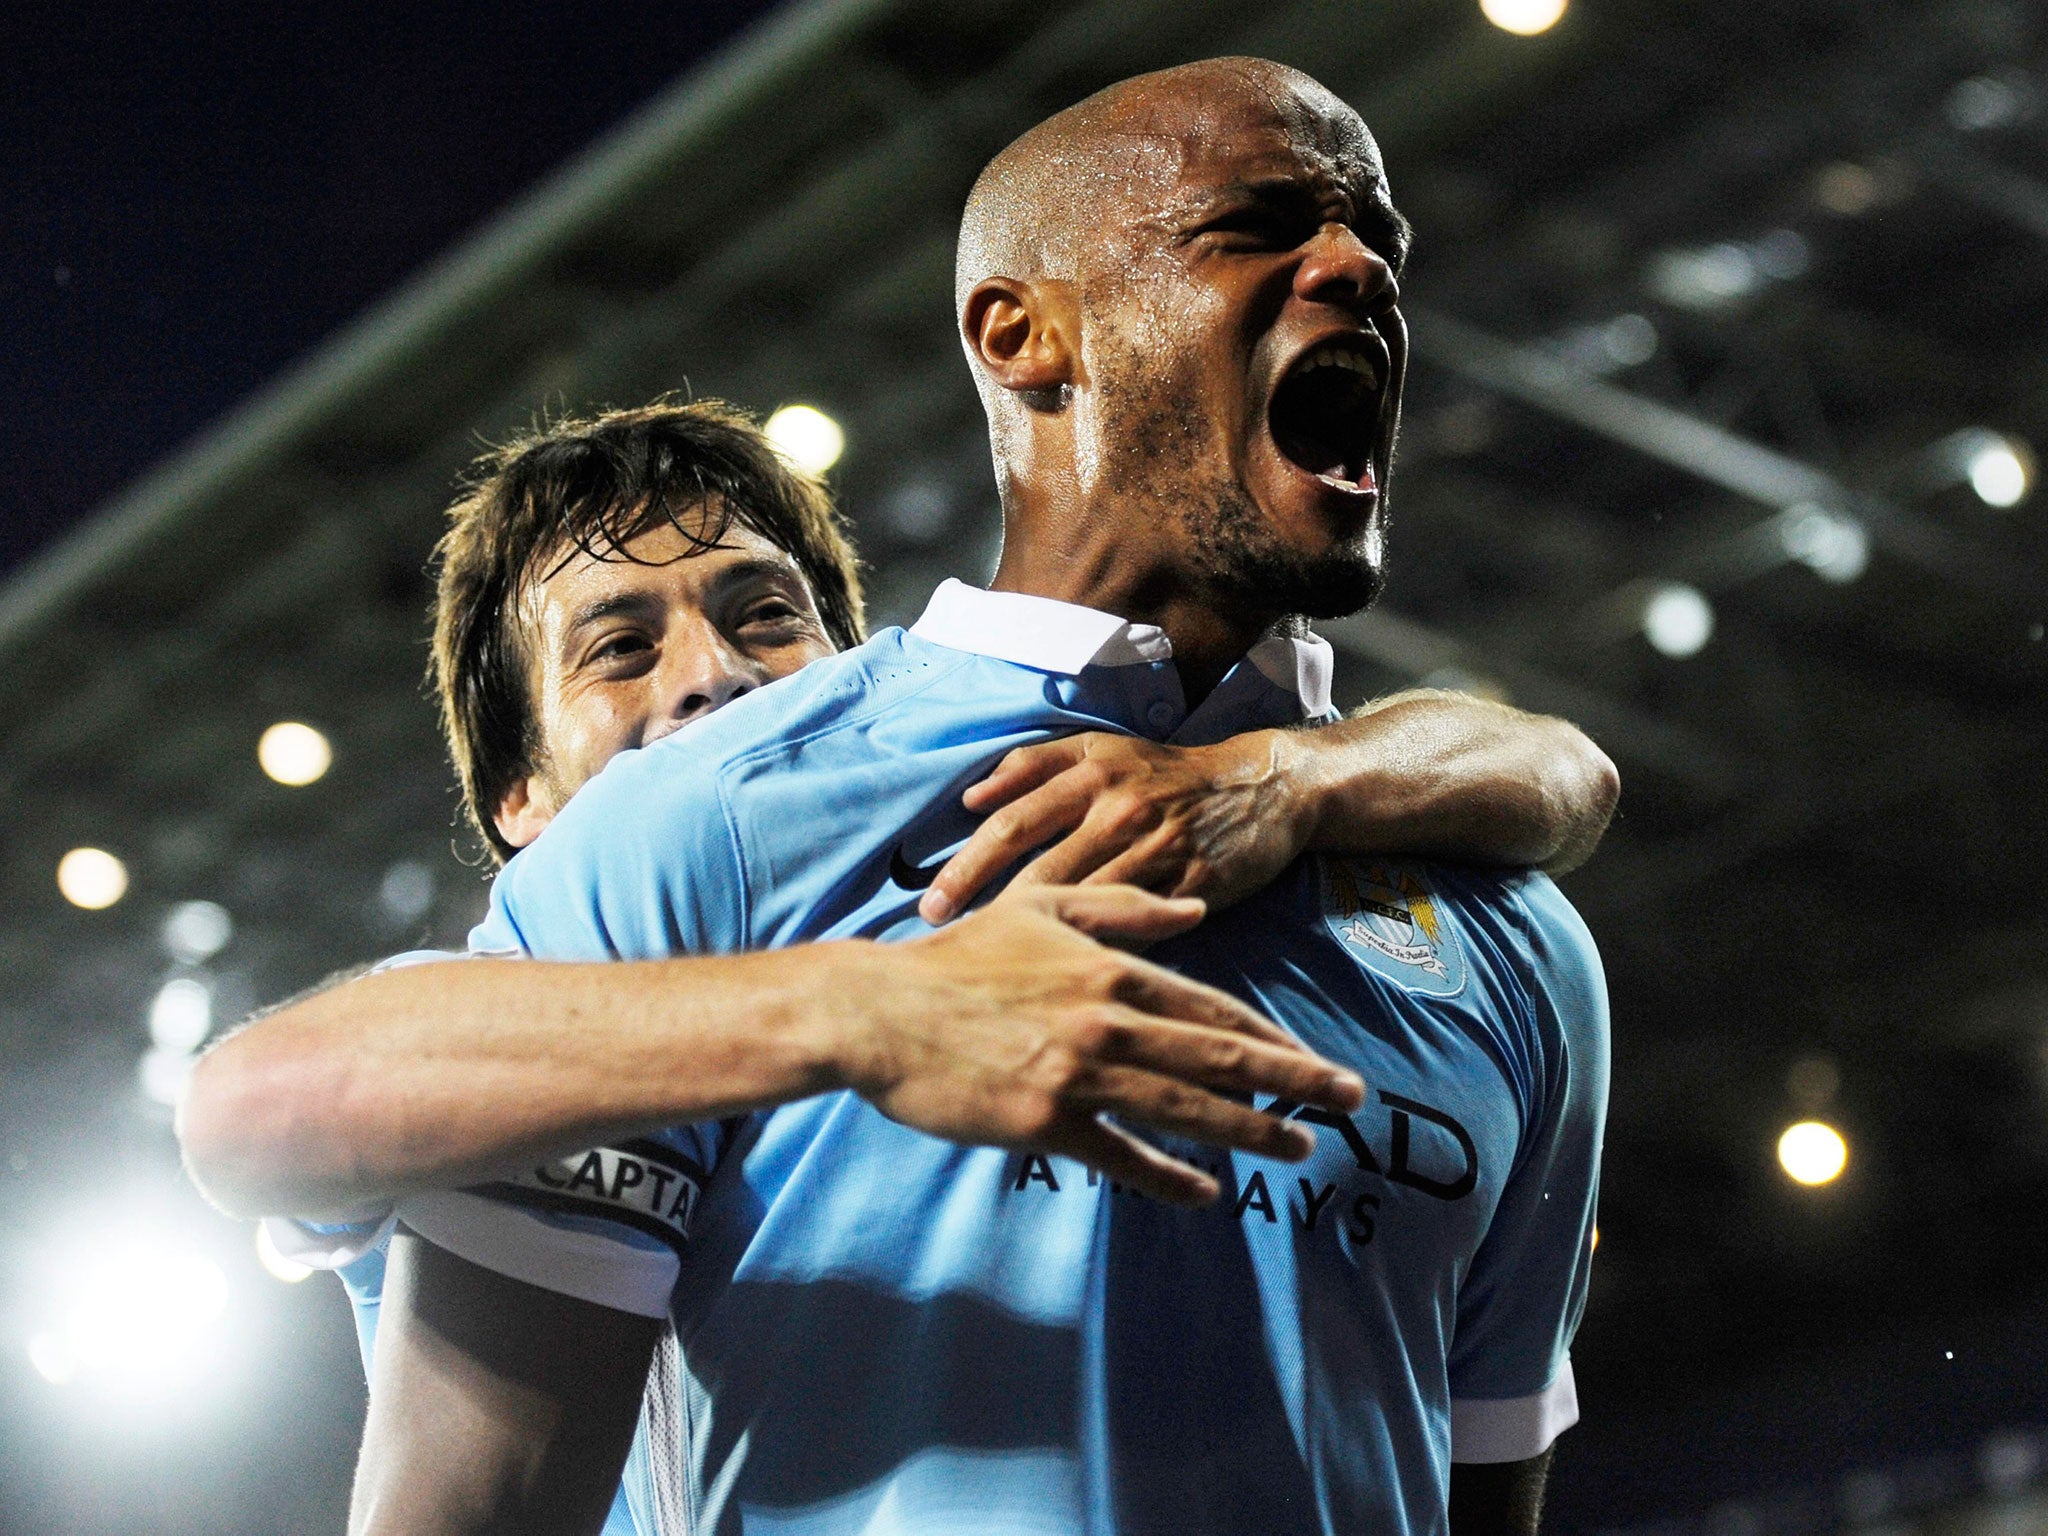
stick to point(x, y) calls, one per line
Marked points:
point(1330, 586)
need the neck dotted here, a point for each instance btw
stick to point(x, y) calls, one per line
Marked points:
point(1099, 562)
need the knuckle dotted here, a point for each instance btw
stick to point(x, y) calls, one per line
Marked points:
point(1230, 1055)
point(1111, 977)
point(1128, 812)
point(1038, 1118)
point(1088, 1037)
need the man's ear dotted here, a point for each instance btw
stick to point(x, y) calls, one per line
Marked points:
point(524, 809)
point(1021, 334)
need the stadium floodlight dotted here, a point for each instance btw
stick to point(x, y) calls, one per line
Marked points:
point(132, 1317)
point(181, 1014)
point(196, 931)
point(293, 753)
point(807, 437)
point(164, 1075)
point(91, 878)
point(2000, 471)
point(1524, 18)
point(1812, 1153)
point(1836, 548)
point(52, 1357)
point(1678, 620)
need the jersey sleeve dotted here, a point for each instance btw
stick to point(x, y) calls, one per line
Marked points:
point(1511, 1383)
point(608, 1226)
point(642, 863)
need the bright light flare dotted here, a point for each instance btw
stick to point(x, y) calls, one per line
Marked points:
point(1524, 18)
point(2000, 472)
point(1834, 547)
point(181, 1014)
point(807, 437)
point(1678, 620)
point(195, 931)
point(274, 1262)
point(91, 878)
point(1813, 1152)
point(293, 753)
point(133, 1317)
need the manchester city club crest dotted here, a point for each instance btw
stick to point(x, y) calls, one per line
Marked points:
point(1387, 920)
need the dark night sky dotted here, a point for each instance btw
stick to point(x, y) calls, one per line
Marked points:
point(195, 195)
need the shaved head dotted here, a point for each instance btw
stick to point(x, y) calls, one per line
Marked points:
point(1040, 204)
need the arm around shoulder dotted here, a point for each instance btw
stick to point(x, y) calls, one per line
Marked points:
point(1454, 776)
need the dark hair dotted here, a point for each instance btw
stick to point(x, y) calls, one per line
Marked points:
point(594, 484)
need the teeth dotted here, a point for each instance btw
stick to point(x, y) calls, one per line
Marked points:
point(1333, 355)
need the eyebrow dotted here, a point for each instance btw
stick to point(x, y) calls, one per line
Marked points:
point(598, 609)
point(641, 604)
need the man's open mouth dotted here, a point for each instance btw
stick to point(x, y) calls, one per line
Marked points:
point(1325, 415)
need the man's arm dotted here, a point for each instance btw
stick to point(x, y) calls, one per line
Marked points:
point(1442, 775)
point(494, 1405)
point(1503, 1498)
point(1014, 1029)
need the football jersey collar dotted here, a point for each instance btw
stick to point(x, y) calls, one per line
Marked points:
point(1051, 636)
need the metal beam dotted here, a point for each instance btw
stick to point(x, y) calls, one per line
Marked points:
point(1698, 447)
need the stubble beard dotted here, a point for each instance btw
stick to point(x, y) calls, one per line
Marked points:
point(1246, 572)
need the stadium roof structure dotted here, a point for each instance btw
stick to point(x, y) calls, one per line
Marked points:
point(1707, 300)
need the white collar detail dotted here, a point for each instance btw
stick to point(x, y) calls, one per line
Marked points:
point(1037, 632)
point(1051, 636)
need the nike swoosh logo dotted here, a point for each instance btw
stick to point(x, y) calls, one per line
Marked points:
point(913, 877)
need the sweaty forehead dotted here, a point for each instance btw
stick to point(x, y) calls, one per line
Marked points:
point(1225, 127)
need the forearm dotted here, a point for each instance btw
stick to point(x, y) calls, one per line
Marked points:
point(1451, 776)
point(437, 1075)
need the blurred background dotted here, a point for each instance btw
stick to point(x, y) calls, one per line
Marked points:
point(1731, 337)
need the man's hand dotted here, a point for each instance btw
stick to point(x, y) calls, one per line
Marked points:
point(1438, 775)
point(1218, 822)
point(1014, 1029)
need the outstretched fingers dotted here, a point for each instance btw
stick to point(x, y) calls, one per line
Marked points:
point(1024, 770)
point(1178, 1108)
point(1228, 1060)
point(1125, 1159)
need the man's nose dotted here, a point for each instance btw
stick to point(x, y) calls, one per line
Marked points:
point(710, 675)
point(1342, 269)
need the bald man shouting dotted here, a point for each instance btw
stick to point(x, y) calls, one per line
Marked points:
point(1179, 302)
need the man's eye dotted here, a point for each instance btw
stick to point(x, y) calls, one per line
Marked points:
point(1250, 226)
point(619, 646)
point(774, 611)
point(1264, 228)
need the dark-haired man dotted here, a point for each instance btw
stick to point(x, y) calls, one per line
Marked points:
point(1192, 361)
point(604, 582)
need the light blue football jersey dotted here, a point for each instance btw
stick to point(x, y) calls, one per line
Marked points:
point(877, 1331)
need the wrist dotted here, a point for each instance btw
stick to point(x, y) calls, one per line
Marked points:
point(1295, 792)
point(838, 1032)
